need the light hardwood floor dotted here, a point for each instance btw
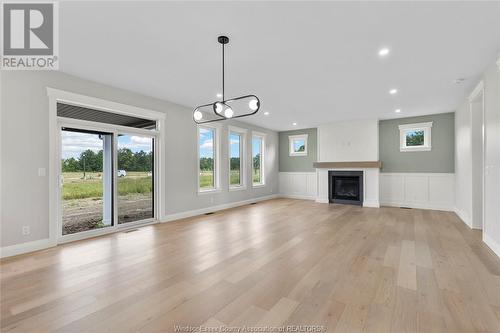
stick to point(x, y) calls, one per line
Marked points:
point(279, 262)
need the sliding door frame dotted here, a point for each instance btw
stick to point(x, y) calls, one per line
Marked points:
point(55, 126)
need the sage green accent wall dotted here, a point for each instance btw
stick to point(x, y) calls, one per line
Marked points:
point(298, 163)
point(440, 159)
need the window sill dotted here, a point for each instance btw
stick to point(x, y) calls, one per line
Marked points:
point(212, 191)
point(237, 188)
point(408, 149)
point(258, 185)
point(297, 154)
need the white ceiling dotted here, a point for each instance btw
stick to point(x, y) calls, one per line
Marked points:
point(309, 62)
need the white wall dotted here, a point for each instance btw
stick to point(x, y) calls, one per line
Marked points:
point(25, 148)
point(463, 164)
point(348, 141)
point(464, 158)
point(476, 117)
point(491, 232)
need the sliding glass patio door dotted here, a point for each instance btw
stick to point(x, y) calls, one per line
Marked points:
point(87, 180)
point(107, 180)
point(135, 178)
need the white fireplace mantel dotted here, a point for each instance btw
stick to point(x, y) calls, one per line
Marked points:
point(370, 184)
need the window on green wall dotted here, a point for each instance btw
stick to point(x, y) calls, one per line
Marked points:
point(297, 145)
point(415, 137)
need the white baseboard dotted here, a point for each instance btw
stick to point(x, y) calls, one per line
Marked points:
point(322, 200)
point(372, 204)
point(464, 217)
point(297, 196)
point(14, 250)
point(494, 246)
point(418, 206)
point(196, 212)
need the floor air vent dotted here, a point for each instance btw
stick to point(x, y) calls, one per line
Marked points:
point(209, 213)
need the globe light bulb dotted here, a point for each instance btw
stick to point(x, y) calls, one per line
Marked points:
point(197, 115)
point(219, 107)
point(253, 104)
point(228, 113)
point(383, 52)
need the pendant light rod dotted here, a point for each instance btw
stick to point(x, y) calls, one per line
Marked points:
point(223, 74)
point(223, 40)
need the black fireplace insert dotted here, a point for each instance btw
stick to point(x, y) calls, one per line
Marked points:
point(345, 187)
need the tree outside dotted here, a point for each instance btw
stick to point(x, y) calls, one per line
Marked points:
point(415, 138)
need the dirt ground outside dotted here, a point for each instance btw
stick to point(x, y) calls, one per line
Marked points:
point(86, 214)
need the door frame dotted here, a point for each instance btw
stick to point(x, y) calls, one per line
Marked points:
point(473, 98)
point(55, 125)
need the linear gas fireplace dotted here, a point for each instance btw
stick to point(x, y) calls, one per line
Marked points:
point(345, 187)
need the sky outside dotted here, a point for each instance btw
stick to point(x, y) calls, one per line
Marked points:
point(297, 144)
point(256, 143)
point(74, 143)
point(235, 145)
point(206, 142)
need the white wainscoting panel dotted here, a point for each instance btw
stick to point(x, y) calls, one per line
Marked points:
point(418, 190)
point(299, 185)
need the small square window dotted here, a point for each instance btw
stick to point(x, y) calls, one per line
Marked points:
point(415, 137)
point(298, 145)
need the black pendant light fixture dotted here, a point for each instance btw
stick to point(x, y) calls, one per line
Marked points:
point(237, 107)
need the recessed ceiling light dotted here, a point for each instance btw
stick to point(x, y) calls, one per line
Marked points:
point(266, 113)
point(383, 52)
point(294, 124)
point(393, 91)
point(219, 95)
point(459, 80)
point(397, 110)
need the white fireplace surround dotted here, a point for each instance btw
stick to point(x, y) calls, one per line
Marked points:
point(370, 185)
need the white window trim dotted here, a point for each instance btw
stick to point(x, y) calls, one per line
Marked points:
point(262, 136)
point(216, 128)
point(55, 208)
point(242, 132)
point(291, 140)
point(403, 129)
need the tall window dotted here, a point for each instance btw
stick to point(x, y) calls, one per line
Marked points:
point(207, 158)
point(235, 150)
point(258, 159)
point(237, 158)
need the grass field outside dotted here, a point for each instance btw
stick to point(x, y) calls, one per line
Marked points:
point(83, 200)
point(77, 187)
point(206, 178)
